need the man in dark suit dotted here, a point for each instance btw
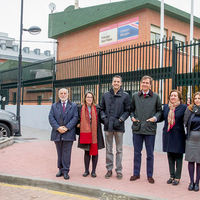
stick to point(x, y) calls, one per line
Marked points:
point(63, 118)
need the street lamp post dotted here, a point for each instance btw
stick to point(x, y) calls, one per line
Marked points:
point(33, 30)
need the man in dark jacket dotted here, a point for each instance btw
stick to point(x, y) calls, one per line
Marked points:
point(115, 107)
point(146, 110)
point(63, 118)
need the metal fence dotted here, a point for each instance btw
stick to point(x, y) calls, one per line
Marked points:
point(94, 72)
point(37, 80)
point(188, 69)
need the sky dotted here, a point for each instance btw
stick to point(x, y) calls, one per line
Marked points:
point(36, 14)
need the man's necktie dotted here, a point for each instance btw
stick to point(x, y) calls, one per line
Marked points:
point(63, 107)
point(145, 95)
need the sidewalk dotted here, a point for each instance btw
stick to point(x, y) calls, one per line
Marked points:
point(35, 159)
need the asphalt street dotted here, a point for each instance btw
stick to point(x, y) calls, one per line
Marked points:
point(21, 192)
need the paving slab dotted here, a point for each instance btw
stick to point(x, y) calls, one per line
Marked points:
point(36, 159)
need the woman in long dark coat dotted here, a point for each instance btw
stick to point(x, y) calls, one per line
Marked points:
point(174, 135)
point(192, 152)
point(90, 134)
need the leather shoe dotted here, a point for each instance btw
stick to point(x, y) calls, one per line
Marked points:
point(134, 178)
point(85, 174)
point(170, 180)
point(93, 175)
point(196, 187)
point(175, 182)
point(191, 186)
point(108, 174)
point(59, 174)
point(66, 176)
point(119, 175)
point(151, 180)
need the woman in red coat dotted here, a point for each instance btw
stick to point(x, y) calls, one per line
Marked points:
point(90, 136)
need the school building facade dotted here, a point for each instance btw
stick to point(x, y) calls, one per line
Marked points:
point(94, 43)
point(125, 34)
point(80, 31)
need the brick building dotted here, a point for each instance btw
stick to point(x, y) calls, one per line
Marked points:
point(109, 27)
point(78, 31)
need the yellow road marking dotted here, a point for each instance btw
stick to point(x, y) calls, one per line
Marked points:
point(48, 191)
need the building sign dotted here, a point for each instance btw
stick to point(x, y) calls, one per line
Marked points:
point(108, 35)
point(123, 31)
point(128, 30)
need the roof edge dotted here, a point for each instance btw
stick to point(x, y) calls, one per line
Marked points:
point(151, 4)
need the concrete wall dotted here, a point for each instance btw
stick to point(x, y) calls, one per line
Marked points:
point(128, 135)
point(36, 116)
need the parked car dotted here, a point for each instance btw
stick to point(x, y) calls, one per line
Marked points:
point(8, 124)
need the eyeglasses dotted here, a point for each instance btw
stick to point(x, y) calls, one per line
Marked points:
point(89, 97)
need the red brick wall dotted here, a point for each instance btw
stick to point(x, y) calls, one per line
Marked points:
point(2, 60)
point(31, 98)
point(87, 40)
point(171, 24)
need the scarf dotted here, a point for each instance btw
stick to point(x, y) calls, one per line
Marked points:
point(88, 129)
point(196, 110)
point(171, 115)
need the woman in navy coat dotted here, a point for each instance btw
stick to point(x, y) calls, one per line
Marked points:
point(192, 151)
point(174, 135)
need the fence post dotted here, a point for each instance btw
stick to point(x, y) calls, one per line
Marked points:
point(99, 77)
point(174, 63)
point(53, 80)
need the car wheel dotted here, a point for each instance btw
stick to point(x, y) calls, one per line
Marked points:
point(4, 130)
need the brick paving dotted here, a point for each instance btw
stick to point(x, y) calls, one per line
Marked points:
point(37, 159)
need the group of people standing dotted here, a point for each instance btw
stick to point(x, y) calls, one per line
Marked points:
point(176, 141)
point(67, 119)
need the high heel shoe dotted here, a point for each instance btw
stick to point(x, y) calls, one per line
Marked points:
point(191, 186)
point(86, 174)
point(93, 175)
point(196, 187)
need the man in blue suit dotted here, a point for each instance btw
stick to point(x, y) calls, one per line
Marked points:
point(63, 118)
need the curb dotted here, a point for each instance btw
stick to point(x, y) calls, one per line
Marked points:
point(102, 194)
point(4, 142)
